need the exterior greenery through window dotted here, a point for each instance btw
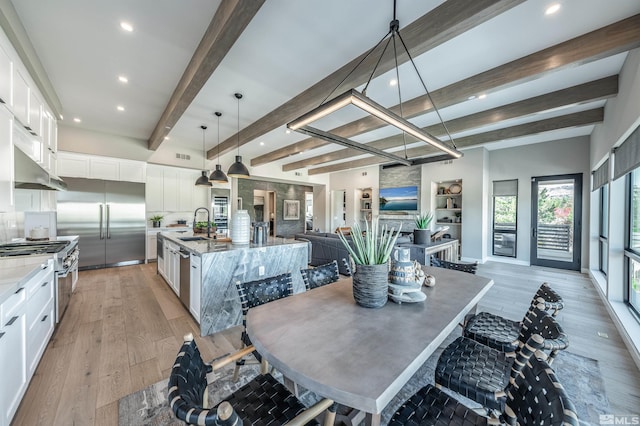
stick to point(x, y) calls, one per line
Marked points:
point(505, 217)
point(632, 252)
point(603, 247)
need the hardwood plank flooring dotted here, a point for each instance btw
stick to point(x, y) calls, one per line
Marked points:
point(124, 326)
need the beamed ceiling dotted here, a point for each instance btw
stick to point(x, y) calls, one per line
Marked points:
point(500, 72)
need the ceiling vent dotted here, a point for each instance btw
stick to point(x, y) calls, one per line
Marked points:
point(183, 156)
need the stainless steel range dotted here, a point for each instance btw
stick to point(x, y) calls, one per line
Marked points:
point(66, 254)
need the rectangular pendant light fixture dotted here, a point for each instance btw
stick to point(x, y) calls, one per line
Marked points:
point(355, 98)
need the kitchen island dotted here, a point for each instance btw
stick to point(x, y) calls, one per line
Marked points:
point(217, 305)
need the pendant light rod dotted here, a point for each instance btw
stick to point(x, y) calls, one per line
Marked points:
point(203, 180)
point(237, 169)
point(238, 97)
point(218, 175)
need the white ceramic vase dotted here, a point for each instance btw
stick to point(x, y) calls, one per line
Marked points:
point(241, 227)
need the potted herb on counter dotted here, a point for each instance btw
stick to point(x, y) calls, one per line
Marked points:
point(156, 220)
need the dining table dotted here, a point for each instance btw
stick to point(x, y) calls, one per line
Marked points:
point(360, 357)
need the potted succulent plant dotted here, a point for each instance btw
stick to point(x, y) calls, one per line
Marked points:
point(370, 252)
point(156, 219)
point(422, 231)
point(201, 227)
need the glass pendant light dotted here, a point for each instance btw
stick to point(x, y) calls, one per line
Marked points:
point(218, 176)
point(237, 169)
point(203, 180)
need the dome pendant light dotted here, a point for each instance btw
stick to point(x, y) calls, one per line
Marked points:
point(237, 169)
point(218, 175)
point(203, 180)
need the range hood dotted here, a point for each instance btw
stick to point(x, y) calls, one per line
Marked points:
point(29, 174)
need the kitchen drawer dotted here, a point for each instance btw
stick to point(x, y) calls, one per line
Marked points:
point(39, 299)
point(38, 336)
point(35, 284)
point(12, 306)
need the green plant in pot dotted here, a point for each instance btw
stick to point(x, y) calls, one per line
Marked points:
point(201, 227)
point(156, 220)
point(370, 252)
point(422, 231)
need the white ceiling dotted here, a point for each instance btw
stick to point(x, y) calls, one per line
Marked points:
point(288, 46)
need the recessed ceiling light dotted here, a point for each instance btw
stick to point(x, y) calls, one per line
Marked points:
point(552, 9)
point(393, 82)
point(77, 120)
point(472, 97)
point(120, 108)
point(167, 127)
point(61, 117)
point(482, 96)
point(126, 26)
point(166, 138)
point(123, 79)
point(261, 143)
point(287, 131)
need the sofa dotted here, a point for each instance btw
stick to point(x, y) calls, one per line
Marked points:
point(326, 247)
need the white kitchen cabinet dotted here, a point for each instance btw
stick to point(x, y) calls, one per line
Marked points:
point(20, 97)
point(172, 266)
point(95, 166)
point(13, 349)
point(7, 201)
point(40, 315)
point(154, 189)
point(170, 189)
point(161, 261)
point(34, 120)
point(6, 71)
point(195, 282)
point(72, 165)
point(104, 168)
point(152, 246)
point(185, 191)
point(132, 171)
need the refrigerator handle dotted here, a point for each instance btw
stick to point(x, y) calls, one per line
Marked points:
point(101, 215)
point(108, 222)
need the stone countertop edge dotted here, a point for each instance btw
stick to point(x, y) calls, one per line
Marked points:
point(211, 246)
point(16, 271)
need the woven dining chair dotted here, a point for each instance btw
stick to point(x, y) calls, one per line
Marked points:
point(256, 293)
point(482, 374)
point(464, 267)
point(262, 401)
point(320, 275)
point(534, 397)
point(502, 333)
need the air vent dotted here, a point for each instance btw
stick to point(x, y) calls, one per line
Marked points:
point(445, 162)
point(298, 173)
point(183, 156)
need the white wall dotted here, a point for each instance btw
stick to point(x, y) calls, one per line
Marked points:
point(543, 159)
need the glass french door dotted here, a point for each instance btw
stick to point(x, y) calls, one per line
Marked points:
point(556, 212)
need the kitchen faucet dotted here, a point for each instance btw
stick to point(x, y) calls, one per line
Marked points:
point(208, 220)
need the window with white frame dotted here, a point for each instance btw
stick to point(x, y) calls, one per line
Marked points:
point(603, 246)
point(632, 250)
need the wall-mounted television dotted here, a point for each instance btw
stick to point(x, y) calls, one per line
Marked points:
point(404, 198)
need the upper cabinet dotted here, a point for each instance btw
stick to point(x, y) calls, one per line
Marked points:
point(6, 75)
point(34, 122)
point(20, 97)
point(6, 161)
point(98, 167)
point(171, 189)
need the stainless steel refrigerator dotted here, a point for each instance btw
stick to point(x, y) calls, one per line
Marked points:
point(109, 218)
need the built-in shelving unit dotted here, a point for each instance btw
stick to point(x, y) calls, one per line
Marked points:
point(448, 207)
point(366, 205)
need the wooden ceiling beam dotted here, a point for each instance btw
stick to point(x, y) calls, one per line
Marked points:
point(577, 119)
point(436, 27)
point(607, 41)
point(588, 92)
point(229, 21)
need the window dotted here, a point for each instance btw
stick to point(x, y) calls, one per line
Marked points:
point(505, 207)
point(603, 249)
point(632, 251)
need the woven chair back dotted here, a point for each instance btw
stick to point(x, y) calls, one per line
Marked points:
point(549, 298)
point(538, 321)
point(259, 292)
point(464, 267)
point(320, 275)
point(535, 397)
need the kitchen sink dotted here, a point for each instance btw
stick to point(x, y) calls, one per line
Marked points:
point(193, 238)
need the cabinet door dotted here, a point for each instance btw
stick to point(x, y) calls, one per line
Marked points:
point(186, 181)
point(132, 171)
point(6, 161)
point(35, 114)
point(195, 278)
point(73, 166)
point(6, 69)
point(152, 248)
point(170, 189)
point(154, 189)
point(103, 169)
point(161, 261)
point(14, 368)
point(20, 98)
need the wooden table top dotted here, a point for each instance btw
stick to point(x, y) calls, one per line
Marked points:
point(360, 357)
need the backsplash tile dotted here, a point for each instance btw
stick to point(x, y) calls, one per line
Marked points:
point(11, 226)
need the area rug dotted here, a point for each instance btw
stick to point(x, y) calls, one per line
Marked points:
point(579, 375)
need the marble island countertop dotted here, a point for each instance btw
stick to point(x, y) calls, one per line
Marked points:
point(205, 245)
point(15, 271)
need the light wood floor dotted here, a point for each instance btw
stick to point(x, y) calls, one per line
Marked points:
point(124, 326)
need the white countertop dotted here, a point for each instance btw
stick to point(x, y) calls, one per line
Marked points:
point(15, 271)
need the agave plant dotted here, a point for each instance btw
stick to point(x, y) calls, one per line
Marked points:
point(423, 220)
point(374, 246)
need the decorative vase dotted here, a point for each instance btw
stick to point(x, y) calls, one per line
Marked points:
point(156, 224)
point(241, 227)
point(421, 236)
point(370, 285)
point(402, 268)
